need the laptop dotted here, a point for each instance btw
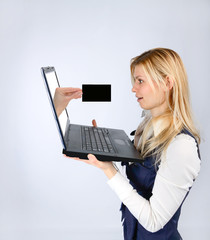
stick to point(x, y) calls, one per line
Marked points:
point(106, 144)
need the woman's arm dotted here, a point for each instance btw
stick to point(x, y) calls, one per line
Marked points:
point(173, 181)
point(174, 178)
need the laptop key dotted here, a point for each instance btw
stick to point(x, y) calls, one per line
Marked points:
point(96, 139)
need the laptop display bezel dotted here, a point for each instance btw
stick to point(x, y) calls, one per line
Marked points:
point(44, 71)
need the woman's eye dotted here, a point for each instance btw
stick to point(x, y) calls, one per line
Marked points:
point(140, 81)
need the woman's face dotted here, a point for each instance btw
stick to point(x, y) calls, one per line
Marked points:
point(149, 99)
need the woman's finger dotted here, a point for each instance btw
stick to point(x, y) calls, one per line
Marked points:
point(70, 89)
point(94, 123)
point(92, 157)
point(75, 158)
point(70, 157)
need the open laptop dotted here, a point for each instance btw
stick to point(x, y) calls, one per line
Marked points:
point(78, 140)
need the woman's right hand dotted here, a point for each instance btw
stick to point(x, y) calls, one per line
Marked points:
point(63, 96)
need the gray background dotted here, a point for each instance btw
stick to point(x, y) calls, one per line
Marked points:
point(44, 195)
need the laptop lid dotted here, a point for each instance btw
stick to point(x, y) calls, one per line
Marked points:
point(72, 140)
point(51, 83)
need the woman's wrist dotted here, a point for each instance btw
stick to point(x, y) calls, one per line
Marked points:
point(110, 172)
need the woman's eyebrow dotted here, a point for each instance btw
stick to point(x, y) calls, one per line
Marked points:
point(138, 76)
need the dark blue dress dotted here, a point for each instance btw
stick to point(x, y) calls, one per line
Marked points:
point(142, 177)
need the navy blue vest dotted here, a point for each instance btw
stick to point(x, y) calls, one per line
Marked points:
point(142, 177)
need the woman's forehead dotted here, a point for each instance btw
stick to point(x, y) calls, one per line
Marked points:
point(138, 71)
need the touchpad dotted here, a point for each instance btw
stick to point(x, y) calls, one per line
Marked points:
point(119, 141)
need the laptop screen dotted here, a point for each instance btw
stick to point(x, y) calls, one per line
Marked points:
point(61, 116)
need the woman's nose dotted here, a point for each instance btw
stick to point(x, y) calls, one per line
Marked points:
point(133, 89)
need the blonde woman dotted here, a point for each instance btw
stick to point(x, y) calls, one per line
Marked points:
point(152, 192)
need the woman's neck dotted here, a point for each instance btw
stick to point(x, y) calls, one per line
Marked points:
point(158, 111)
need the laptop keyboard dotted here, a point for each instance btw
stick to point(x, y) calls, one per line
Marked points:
point(96, 139)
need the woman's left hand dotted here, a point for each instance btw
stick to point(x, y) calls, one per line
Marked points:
point(107, 167)
point(92, 160)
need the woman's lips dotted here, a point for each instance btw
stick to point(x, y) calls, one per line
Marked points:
point(139, 99)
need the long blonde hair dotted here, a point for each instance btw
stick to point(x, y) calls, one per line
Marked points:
point(159, 63)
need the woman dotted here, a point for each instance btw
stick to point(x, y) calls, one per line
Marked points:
point(168, 143)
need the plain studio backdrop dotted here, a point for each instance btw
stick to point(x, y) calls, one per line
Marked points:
point(44, 195)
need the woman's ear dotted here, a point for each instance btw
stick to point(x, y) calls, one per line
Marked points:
point(169, 83)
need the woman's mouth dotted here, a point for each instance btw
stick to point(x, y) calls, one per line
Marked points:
point(139, 99)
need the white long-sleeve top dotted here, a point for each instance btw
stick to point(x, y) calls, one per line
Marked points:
point(174, 178)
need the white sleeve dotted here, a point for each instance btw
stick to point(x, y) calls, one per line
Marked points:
point(173, 180)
